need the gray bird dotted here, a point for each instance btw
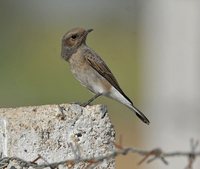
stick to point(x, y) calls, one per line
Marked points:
point(92, 72)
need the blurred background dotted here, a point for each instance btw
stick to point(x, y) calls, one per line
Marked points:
point(151, 46)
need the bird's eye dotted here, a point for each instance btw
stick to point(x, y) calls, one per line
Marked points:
point(74, 36)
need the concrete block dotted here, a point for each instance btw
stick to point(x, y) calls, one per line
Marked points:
point(26, 132)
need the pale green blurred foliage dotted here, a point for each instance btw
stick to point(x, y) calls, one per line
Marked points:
point(32, 71)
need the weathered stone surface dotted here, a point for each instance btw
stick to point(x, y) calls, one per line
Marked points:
point(26, 132)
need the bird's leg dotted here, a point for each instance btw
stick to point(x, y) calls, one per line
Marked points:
point(91, 100)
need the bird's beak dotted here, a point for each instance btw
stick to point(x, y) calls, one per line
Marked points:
point(85, 35)
point(89, 30)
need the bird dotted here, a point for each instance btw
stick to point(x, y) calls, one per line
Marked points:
point(91, 71)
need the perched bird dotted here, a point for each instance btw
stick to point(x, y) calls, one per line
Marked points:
point(92, 72)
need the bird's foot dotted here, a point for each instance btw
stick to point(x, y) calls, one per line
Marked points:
point(85, 104)
point(89, 101)
point(81, 104)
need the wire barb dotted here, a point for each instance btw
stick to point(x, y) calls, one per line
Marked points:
point(90, 163)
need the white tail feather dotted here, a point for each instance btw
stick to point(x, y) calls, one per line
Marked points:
point(115, 94)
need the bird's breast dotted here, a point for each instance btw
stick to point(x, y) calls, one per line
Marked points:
point(89, 77)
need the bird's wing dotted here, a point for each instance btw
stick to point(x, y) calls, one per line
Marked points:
point(100, 66)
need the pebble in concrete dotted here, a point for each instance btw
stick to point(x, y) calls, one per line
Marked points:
point(53, 132)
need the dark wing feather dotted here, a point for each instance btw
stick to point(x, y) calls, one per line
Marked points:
point(100, 66)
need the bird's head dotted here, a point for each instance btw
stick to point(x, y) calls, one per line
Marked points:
point(72, 40)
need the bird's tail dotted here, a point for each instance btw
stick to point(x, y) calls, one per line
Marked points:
point(121, 97)
point(139, 114)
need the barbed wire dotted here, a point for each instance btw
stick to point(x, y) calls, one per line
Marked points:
point(148, 157)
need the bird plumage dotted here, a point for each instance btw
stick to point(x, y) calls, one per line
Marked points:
point(92, 71)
